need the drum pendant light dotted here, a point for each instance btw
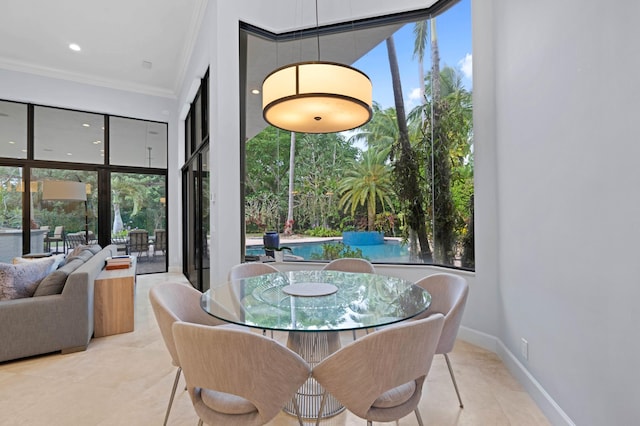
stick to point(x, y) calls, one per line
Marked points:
point(317, 96)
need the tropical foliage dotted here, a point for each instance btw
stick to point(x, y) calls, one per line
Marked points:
point(367, 183)
point(407, 172)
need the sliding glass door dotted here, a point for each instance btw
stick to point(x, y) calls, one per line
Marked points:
point(196, 223)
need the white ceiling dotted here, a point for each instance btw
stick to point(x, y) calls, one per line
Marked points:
point(116, 37)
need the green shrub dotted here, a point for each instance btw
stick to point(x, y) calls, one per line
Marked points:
point(319, 231)
point(336, 251)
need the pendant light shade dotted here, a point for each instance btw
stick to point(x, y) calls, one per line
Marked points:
point(317, 97)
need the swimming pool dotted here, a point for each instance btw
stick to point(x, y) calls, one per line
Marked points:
point(391, 251)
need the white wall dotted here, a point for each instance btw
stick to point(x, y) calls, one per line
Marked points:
point(23, 87)
point(566, 142)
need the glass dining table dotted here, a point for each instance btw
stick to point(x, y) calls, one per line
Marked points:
point(313, 307)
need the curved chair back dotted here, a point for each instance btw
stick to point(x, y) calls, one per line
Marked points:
point(379, 377)
point(448, 297)
point(235, 377)
point(350, 264)
point(173, 302)
point(250, 269)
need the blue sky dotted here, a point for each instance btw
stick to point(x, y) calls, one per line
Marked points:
point(454, 41)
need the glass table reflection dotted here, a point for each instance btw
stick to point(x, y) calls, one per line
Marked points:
point(334, 301)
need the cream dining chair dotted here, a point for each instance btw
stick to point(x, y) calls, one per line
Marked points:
point(379, 377)
point(448, 297)
point(350, 264)
point(173, 302)
point(236, 378)
point(251, 269)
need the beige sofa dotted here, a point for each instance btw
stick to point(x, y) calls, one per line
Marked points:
point(54, 322)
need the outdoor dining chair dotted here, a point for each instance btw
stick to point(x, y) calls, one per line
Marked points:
point(379, 377)
point(139, 242)
point(160, 241)
point(57, 237)
point(237, 378)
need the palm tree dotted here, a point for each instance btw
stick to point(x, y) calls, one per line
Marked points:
point(288, 226)
point(406, 166)
point(381, 131)
point(368, 182)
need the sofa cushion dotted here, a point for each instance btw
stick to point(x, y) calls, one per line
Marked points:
point(92, 248)
point(21, 280)
point(54, 282)
point(83, 255)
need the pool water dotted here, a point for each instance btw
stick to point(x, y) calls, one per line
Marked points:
point(390, 251)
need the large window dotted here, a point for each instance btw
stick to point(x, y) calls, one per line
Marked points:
point(196, 191)
point(11, 192)
point(137, 143)
point(396, 190)
point(138, 219)
point(76, 218)
point(13, 130)
point(70, 136)
point(99, 197)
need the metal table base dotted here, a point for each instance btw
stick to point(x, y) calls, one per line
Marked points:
point(313, 347)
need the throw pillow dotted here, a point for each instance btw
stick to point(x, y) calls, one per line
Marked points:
point(52, 283)
point(55, 281)
point(18, 281)
point(57, 260)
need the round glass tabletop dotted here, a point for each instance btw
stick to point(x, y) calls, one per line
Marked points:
point(273, 302)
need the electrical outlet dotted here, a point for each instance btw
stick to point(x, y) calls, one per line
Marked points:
point(524, 348)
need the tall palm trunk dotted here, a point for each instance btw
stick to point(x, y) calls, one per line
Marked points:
point(443, 209)
point(406, 168)
point(288, 226)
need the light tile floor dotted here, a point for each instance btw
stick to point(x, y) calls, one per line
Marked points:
point(126, 380)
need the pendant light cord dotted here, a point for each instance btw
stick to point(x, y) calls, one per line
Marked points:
point(317, 31)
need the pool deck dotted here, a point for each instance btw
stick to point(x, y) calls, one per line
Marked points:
point(284, 240)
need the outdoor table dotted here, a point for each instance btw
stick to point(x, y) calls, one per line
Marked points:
point(313, 306)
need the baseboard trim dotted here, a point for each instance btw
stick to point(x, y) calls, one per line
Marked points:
point(545, 402)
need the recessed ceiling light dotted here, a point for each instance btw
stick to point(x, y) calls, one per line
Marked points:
point(68, 153)
point(23, 150)
point(255, 91)
point(12, 142)
point(97, 142)
point(86, 125)
point(74, 47)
